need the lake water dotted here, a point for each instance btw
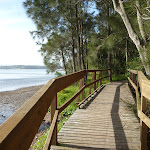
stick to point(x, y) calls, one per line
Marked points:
point(12, 79)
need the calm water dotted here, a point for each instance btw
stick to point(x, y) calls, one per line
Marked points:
point(12, 79)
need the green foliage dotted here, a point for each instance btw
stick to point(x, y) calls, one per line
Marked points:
point(62, 97)
point(135, 64)
point(119, 77)
point(40, 141)
point(58, 74)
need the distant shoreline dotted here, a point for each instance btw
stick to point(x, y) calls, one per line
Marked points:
point(22, 67)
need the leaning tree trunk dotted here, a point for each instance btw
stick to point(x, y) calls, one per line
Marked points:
point(119, 7)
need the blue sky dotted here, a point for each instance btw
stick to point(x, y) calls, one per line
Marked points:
point(16, 44)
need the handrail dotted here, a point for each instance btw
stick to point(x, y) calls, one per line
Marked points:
point(19, 130)
point(139, 81)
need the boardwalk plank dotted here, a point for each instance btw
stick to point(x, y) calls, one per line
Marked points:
point(105, 123)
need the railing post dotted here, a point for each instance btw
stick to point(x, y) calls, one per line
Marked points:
point(91, 81)
point(134, 79)
point(101, 77)
point(130, 75)
point(53, 109)
point(80, 86)
point(109, 71)
point(94, 80)
point(144, 128)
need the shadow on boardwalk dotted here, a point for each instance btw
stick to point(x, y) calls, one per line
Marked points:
point(116, 121)
point(104, 123)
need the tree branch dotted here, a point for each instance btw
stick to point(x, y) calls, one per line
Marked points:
point(140, 22)
point(116, 5)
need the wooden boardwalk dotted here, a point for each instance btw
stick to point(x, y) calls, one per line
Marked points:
point(106, 122)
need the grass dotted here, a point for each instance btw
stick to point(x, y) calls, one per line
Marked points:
point(119, 77)
point(62, 97)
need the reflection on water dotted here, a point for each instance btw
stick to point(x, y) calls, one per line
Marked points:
point(6, 110)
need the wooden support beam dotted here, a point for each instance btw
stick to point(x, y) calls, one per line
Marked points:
point(17, 132)
point(109, 72)
point(51, 133)
point(144, 128)
point(90, 95)
point(91, 85)
point(53, 109)
point(101, 77)
point(94, 80)
point(62, 107)
point(80, 87)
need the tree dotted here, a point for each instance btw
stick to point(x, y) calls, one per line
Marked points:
point(139, 40)
point(64, 18)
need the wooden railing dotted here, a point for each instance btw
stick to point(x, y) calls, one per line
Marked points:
point(18, 132)
point(141, 85)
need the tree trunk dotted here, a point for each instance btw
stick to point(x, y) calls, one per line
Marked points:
point(78, 39)
point(73, 42)
point(119, 7)
point(81, 42)
point(126, 51)
point(63, 59)
point(86, 52)
point(73, 54)
point(108, 33)
point(140, 22)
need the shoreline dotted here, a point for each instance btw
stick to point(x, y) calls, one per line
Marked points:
point(10, 101)
point(19, 96)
